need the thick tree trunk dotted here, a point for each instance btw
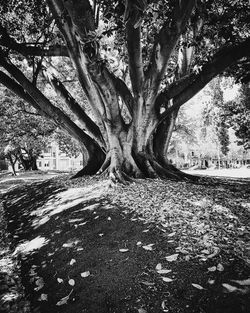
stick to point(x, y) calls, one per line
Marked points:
point(34, 164)
point(162, 138)
point(95, 158)
point(12, 163)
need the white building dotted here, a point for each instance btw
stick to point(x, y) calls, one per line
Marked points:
point(53, 159)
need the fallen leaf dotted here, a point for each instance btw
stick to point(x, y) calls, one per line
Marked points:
point(43, 297)
point(172, 257)
point(164, 307)
point(212, 269)
point(158, 267)
point(216, 251)
point(68, 245)
point(85, 274)
point(171, 234)
point(73, 261)
point(164, 271)
point(167, 280)
point(40, 283)
point(123, 250)
point(64, 300)
point(244, 282)
point(197, 286)
point(147, 248)
point(71, 282)
point(229, 287)
point(205, 251)
point(220, 267)
point(147, 283)
point(82, 224)
point(60, 280)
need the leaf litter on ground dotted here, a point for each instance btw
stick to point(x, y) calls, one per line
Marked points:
point(199, 216)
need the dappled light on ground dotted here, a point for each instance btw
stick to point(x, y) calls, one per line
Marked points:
point(30, 246)
point(66, 200)
point(243, 172)
point(147, 247)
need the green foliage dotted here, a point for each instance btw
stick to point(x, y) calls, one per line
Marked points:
point(67, 144)
point(237, 115)
point(214, 117)
point(23, 133)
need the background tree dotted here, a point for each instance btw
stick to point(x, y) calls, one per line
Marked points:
point(167, 51)
point(215, 127)
point(23, 133)
point(237, 115)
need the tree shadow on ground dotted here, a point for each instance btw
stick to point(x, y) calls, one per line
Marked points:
point(79, 252)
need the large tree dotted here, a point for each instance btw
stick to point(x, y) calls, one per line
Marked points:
point(137, 62)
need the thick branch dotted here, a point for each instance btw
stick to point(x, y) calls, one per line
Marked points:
point(167, 39)
point(27, 49)
point(82, 17)
point(124, 92)
point(135, 57)
point(45, 105)
point(224, 58)
point(19, 91)
point(72, 104)
point(77, 55)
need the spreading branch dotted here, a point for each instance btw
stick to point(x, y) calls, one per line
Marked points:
point(39, 100)
point(224, 58)
point(133, 17)
point(91, 128)
point(124, 92)
point(167, 39)
point(30, 49)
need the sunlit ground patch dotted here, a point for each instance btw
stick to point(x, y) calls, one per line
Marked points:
point(6, 265)
point(68, 199)
point(29, 246)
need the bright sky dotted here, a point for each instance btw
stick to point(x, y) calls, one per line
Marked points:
point(196, 104)
point(230, 93)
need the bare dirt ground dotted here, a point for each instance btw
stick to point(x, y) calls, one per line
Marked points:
point(151, 246)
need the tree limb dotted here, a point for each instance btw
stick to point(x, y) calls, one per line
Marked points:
point(133, 16)
point(39, 100)
point(224, 58)
point(166, 41)
point(72, 104)
point(77, 55)
point(27, 49)
point(123, 92)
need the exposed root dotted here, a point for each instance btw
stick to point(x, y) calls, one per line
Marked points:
point(105, 164)
point(116, 176)
point(164, 172)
